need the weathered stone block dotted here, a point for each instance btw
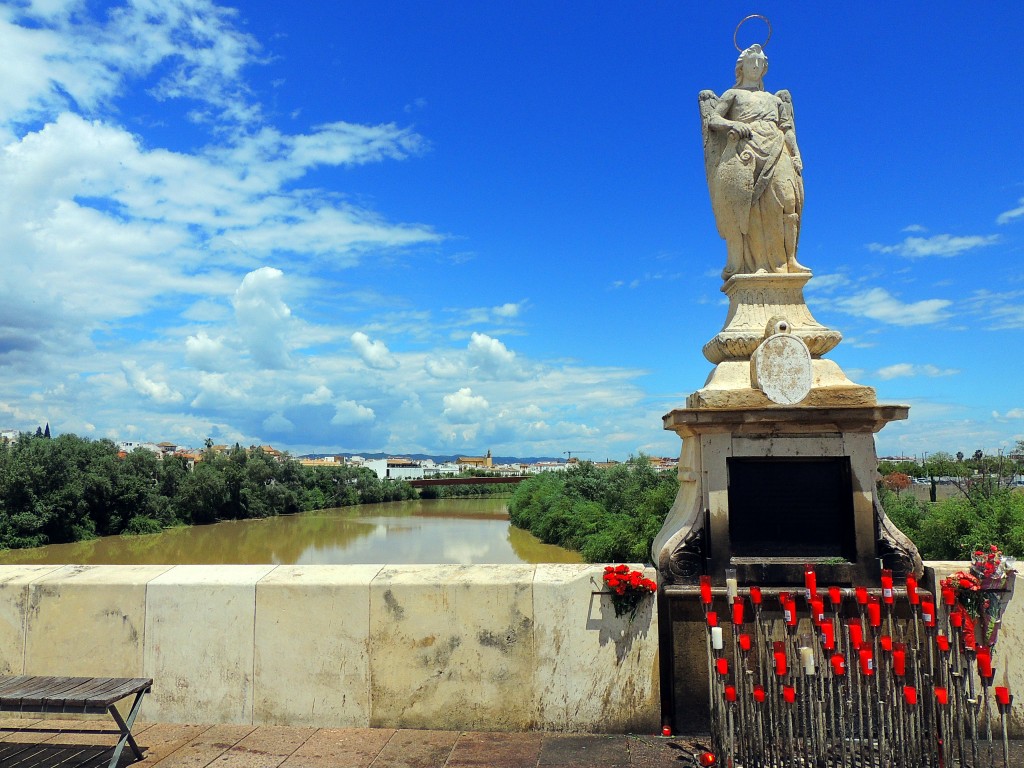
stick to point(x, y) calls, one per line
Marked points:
point(452, 647)
point(14, 604)
point(594, 671)
point(88, 621)
point(200, 622)
point(312, 658)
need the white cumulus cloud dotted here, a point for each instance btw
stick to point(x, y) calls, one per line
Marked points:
point(490, 358)
point(936, 245)
point(374, 353)
point(263, 317)
point(349, 413)
point(144, 384)
point(463, 407)
point(879, 304)
point(320, 396)
point(206, 353)
point(904, 370)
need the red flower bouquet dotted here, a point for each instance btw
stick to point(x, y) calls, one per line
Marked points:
point(982, 593)
point(628, 588)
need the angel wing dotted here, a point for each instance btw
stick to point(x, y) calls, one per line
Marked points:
point(727, 172)
point(787, 122)
point(713, 144)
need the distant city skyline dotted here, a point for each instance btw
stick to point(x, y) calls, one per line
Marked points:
point(382, 227)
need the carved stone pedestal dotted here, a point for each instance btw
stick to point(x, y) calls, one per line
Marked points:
point(778, 463)
point(767, 490)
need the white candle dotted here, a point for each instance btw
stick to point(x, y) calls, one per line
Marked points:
point(807, 659)
point(731, 584)
point(716, 638)
point(731, 588)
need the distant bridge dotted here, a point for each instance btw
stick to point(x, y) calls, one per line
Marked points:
point(467, 481)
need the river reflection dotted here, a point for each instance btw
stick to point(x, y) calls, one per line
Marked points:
point(459, 531)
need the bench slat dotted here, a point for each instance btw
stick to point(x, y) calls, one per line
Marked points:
point(67, 693)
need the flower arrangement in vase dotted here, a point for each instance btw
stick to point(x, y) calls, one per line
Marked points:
point(982, 592)
point(628, 588)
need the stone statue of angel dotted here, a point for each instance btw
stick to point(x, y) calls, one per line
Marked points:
point(754, 170)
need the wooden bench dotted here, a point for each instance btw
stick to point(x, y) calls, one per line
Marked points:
point(78, 695)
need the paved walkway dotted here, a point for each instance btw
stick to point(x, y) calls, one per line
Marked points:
point(242, 746)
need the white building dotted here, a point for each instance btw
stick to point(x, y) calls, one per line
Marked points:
point(395, 469)
point(547, 466)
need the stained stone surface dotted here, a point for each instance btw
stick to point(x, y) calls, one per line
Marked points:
point(782, 366)
point(313, 625)
point(459, 643)
point(88, 621)
point(14, 608)
point(577, 633)
point(200, 623)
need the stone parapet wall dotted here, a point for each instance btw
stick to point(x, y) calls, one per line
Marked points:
point(483, 647)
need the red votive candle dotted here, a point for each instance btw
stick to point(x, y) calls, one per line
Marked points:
point(828, 636)
point(780, 664)
point(744, 642)
point(942, 696)
point(817, 610)
point(942, 642)
point(780, 658)
point(789, 611)
point(899, 661)
point(1002, 696)
point(789, 693)
point(737, 610)
point(862, 595)
point(886, 642)
point(867, 661)
point(928, 613)
point(835, 595)
point(712, 617)
point(887, 594)
point(985, 663)
point(875, 613)
point(856, 634)
point(810, 581)
point(910, 694)
point(722, 665)
point(730, 693)
point(758, 694)
point(912, 595)
point(948, 595)
point(838, 663)
point(956, 619)
point(755, 595)
point(705, 590)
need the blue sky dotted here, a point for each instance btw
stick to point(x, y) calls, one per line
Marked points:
point(453, 227)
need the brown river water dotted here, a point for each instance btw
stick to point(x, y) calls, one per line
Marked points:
point(463, 531)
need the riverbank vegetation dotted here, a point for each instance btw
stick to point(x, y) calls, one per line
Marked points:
point(70, 488)
point(605, 514)
point(984, 506)
point(475, 491)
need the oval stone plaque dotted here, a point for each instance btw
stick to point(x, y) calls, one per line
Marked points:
point(782, 367)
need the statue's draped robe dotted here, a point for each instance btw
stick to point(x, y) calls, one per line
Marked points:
point(756, 192)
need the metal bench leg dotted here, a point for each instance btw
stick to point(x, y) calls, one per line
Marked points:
point(126, 729)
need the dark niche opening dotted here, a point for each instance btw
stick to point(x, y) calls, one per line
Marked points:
point(791, 507)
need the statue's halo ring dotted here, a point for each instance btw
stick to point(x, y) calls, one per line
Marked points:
point(744, 21)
